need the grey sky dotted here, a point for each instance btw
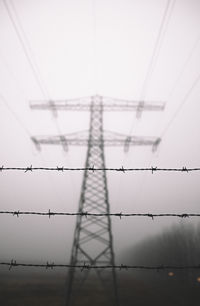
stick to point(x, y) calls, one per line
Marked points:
point(102, 47)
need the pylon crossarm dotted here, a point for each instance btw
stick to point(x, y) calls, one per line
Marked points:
point(77, 139)
point(118, 139)
point(115, 104)
point(110, 139)
point(107, 104)
point(61, 104)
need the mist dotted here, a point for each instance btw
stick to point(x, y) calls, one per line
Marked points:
point(84, 48)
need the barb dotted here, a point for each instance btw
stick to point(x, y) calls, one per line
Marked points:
point(28, 169)
point(86, 214)
point(85, 266)
point(93, 169)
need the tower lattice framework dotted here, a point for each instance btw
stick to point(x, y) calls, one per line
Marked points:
point(93, 242)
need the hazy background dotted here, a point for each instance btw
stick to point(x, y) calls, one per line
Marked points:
point(81, 48)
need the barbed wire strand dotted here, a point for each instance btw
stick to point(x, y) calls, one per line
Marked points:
point(87, 214)
point(47, 265)
point(93, 169)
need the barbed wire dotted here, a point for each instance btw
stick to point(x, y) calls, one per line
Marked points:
point(93, 169)
point(86, 214)
point(47, 265)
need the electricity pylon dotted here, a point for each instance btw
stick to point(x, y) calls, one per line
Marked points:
point(93, 242)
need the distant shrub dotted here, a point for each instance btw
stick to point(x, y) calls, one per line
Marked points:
point(178, 245)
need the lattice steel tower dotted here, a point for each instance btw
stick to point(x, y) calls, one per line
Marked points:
point(93, 199)
point(93, 242)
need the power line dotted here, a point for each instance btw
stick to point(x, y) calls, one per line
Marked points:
point(163, 36)
point(28, 46)
point(192, 51)
point(31, 59)
point(24, 48)
point(88, 214)
point(28, 52)
point(5, 102)
point(156, 50)
point(36, 69)
point(85, 266)
point(159, 39)
point(186, 97)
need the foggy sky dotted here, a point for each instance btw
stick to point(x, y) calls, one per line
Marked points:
point(84, 48)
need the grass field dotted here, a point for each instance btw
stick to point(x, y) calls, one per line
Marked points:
point(42, 289)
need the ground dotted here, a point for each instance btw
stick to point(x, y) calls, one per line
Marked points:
point(41, 289)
